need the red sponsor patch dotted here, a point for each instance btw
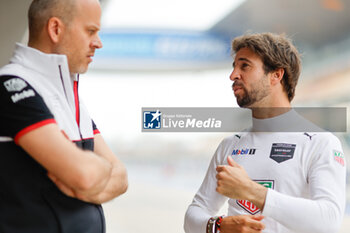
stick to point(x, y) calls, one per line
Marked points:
point(249, 206)
point(339, 157)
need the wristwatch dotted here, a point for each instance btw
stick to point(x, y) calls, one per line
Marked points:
point(211, 225)
point(214, 224)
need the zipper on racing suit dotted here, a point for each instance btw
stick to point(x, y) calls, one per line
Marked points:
point(76, 100)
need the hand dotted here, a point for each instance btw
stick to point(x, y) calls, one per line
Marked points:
point(64, 134)
point(242, 224)
point(115, 185)
point(61, 186)
point(234, 182)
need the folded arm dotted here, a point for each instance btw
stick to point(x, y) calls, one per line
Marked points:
point(118, 181)
point(83, 171)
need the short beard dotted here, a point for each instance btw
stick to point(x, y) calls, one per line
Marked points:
point(247, 98)
point(258, 92)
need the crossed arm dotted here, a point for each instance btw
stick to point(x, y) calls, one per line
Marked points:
point(94, 177)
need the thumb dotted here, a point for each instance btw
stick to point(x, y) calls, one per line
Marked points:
point(52, 177)
point(231, 162)
point(258, 217)
point(65, 135)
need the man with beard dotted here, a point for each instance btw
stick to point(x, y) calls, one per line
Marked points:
point(55, 167)
point(273, 179)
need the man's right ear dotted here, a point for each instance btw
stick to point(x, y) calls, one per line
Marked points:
point(54, 29)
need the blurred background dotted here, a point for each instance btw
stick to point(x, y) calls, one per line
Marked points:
point(161, 53)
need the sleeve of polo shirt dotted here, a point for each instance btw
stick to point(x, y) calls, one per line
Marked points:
point(22, 108)
point(207, 202)
point(324, 211)
point(94, 128)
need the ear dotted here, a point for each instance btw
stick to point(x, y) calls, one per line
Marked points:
point(55, 29)
point(276, 76)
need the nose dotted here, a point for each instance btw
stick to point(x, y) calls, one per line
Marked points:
point(234, 75)
point(97, 43)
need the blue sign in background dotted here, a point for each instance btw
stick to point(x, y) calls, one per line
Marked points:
point(164, 46)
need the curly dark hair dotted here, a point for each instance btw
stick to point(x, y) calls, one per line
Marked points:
point(276, 51)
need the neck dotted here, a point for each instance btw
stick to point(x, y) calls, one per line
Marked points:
point(272, 108)
point(269, 112)
point(40, 45)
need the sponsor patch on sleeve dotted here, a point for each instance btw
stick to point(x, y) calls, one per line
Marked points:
point(22, 95)
point(339, 157)
point(15, 84)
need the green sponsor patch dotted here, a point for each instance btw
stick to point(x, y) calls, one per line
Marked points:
point(266, 183)
point(339, 157)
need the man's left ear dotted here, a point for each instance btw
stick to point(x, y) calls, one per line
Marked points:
point(277, 76)
point(55, 29)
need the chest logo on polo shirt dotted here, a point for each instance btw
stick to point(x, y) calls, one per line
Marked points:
point(244, 151)
point(281, 152)
point(249, 206)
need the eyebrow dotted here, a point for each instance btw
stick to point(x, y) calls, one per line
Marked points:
point(241, 59)
point(94, 26)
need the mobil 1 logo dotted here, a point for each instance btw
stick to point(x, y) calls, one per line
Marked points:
point(281, 152)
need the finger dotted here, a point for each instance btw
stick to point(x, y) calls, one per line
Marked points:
point(251, 230)
point(258, 225)
point(231, 162)
point(65, 189)
point(65, 135)
point(220, 168)
point(52, 177)
point(61, 186)
point(255, 231)
point(258, 217)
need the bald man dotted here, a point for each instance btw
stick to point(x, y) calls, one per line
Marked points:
point(55, 168)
